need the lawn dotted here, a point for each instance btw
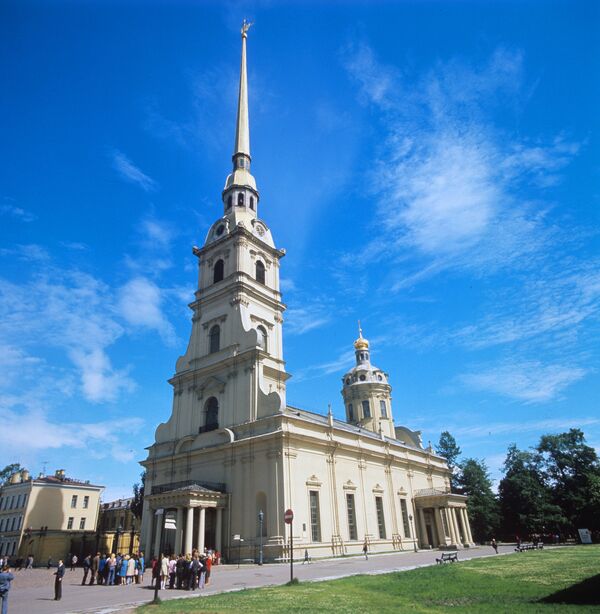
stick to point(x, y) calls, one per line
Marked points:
point(521, 582)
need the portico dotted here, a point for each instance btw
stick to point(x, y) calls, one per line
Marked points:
point(184, 519)
point(442, 518)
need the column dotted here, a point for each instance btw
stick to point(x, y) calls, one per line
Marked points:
point(451, 526)
point(455, 524)
point(424, 538)
point(201, 529)
point(149, 519)
point(179, 531)
point(440, 526)
point(158, 536)
point(218, 529)
point(189, 528)
point(465, 515)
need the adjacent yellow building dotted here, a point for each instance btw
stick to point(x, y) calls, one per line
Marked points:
point(47, 516)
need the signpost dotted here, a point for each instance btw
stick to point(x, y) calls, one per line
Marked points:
point(289, 518)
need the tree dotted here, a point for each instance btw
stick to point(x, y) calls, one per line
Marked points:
point(137, 505)
point(448, 448)
point(571, 469)
point(474, 481)
point(525, 500)
point(8, 471)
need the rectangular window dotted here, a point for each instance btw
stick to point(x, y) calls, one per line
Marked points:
point(70, 523)
point(20, 522)
point(315, 522)
point(74, 501)
point(380, 517)
point(24, 499)
point(352, 534)
point(13, 523)
point(366, 409)
point(1, 525)
point(86, 502)
point(383, 409)
point(350, 413)
point(82, 524)
point(405, 520)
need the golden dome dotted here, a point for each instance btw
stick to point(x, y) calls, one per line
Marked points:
point(361, 343)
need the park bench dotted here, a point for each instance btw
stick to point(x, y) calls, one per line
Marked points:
point(447, 557)
point(523, 547)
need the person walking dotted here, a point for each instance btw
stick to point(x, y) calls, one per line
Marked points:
point(208, 567)
point(366, 550)
point(87, 565)
point(29, 562)
point(74, 560)
point(494, 545)
point(95, 564)
point(60, 574)
point(5, 579)
point(163, 565)
point(130, 569)
point(112, 566)
point(141, 568)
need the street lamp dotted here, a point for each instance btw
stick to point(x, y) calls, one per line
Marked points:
point(261, 519)
point(119, 531)
point(410, 519)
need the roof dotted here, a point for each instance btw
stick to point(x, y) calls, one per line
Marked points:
point(51, 479)
point(118, 504)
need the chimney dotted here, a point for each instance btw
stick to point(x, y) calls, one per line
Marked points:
point(25, 475)
point(60, 474)
point(15, 478)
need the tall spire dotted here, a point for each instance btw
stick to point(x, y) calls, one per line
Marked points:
point(242, 130)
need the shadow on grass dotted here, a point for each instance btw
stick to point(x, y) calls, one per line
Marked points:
point(582, 593)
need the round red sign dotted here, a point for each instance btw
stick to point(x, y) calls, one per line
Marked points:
point(288, 516)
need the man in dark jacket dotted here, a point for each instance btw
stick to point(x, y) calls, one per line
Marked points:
point(95, 565)
point(5, 579)
point(87, 563)
point(59, 573)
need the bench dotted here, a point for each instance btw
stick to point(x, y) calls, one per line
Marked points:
point(523, 547)
point(447, 557)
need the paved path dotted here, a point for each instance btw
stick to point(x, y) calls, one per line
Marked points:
point(32, 591)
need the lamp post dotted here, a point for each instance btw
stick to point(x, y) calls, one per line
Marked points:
point(119, 531)
point(261, 519)
point(410, 519)
point(131, 536)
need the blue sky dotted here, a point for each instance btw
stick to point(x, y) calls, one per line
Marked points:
point(430, 167)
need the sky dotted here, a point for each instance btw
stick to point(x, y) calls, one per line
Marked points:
point(431, 169)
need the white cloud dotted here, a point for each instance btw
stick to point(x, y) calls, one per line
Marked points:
point(140, 302)
point(130, 172)
point(17, 212)
point(532, 382)
point(300, 320)
point(517, 427)
point(343, 362)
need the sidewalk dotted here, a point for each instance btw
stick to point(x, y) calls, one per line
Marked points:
point(32, 591)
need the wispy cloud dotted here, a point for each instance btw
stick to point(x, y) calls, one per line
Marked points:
point(30, 252)
point(130, 172)
point(17, 212)
point(532, 382)
point(529, 426)
point(342, 363)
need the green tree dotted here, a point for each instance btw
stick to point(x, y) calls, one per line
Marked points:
point(137, 505)
point(449, 449)
point(474, 481)
point(8, 471)
point(525, 500)
point(571, 469)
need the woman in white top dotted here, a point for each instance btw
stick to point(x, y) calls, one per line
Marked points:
point(130, 570)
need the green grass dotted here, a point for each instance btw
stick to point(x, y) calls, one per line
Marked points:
point(513, 583)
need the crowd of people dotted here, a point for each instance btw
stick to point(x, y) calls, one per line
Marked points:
point(184, 571)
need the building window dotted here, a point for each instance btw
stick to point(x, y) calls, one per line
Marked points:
point(70, 523)
point(1, 525)
point(212, 414)
point(74, 501)
point(383, 409)
point(405, 520)
point(240, 199)
point(82, 524)
point(229, 201)
point(315, 521)
point(86, 502)
point(366, 409)
point(218, 271)
point(24, 499)
point(380, 517)
point(252, 202)
point(262, 338)
point(350, 412)
point(352, 533)
point(260, 272)
point(214, 339)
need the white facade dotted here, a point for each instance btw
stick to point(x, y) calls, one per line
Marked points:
point(233, 448)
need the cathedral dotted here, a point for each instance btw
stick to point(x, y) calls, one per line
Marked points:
point(234, 456)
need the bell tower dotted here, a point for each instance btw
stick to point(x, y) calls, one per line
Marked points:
point(233, 370)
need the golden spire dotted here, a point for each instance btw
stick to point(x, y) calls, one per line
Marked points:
point(242, 132)
point(361, 343)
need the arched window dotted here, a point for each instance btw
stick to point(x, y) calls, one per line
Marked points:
point(240, 199)
point(383, 408)
point(229, 201)
point(252, 202)
point(260, 272)
point(214, 339)
point(218, 271)
point(212, 414)
point(366, 409)
point(262, 338)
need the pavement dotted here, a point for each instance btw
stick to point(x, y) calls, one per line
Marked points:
point(32, 591)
